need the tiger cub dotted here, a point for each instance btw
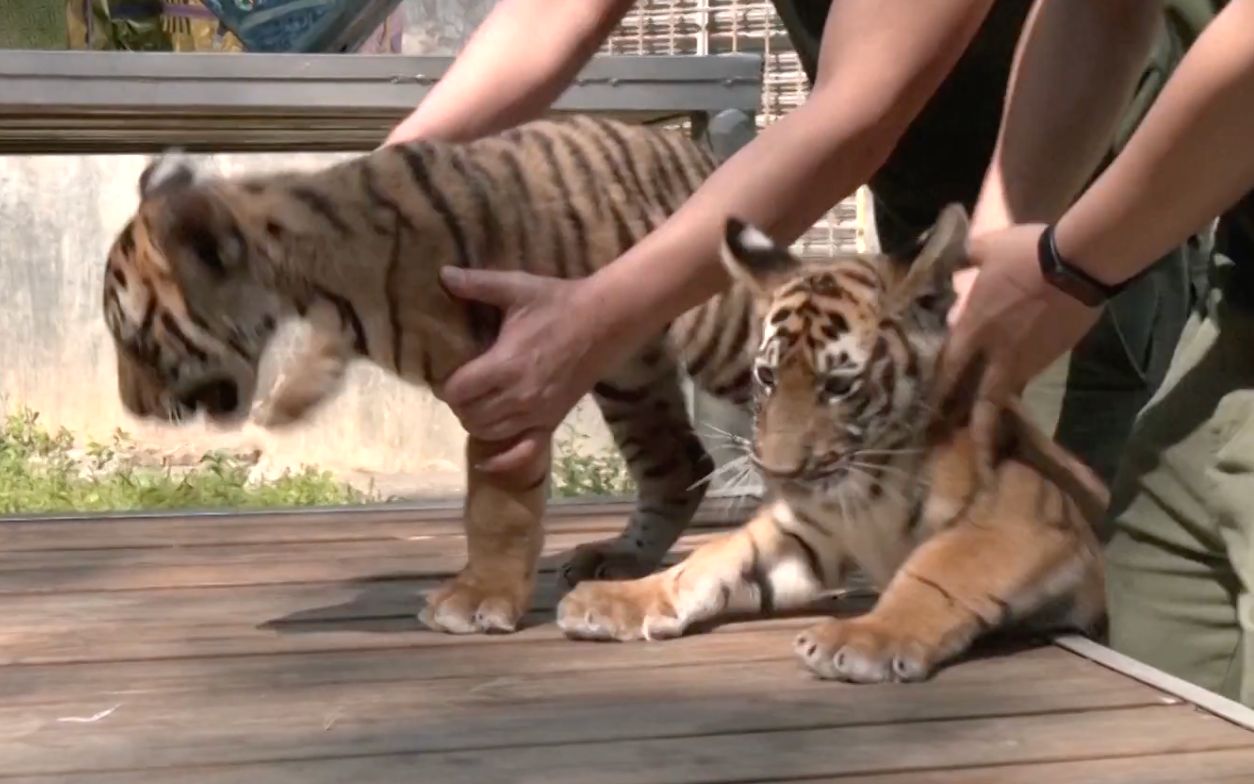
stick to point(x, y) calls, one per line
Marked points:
point(861, 470)
point(198, 280)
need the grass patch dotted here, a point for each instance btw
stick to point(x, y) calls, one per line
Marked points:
point(578, 472)
point(41, 471)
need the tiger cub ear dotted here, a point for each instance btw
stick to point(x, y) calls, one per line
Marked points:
point(927, 286)
point(170, 171)
point(755, 260)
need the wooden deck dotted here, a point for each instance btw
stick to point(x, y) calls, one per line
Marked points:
point(283, 648)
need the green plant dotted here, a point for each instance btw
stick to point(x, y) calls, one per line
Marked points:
point(578, 473)
point(41, 472)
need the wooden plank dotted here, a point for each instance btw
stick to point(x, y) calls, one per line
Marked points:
point(1217, 704)
point(214, 726)
point(157, 624)
point(744, 757)
point(1232, 766)
point(65, 683)
point(416, 556)
point(306, 525)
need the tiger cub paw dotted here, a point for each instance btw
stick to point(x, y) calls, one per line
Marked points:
point(622, 610)
point(611, 559)
point(862, 650)
point(468, 604)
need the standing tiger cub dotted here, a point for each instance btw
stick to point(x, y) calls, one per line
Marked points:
point(200, 277)
point(861, 470)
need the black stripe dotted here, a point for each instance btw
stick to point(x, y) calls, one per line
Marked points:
point(126, 240)
point(173, 330)
point(150, 313)
point(626, 237)
point(322, 205)
point(591, 189)
point(428, 370)
point(483, 321)
point(380, 199)
point(628, 160)
point(422, 178)
point(661, 470)
point(934, 585)
point(708, 350)
point(617, 395)
point(667, 192)
point(916, 514)
point(739, 386)
point(573, 218)
point(812, 557)
point(757, 576)
point(473, 177)
point(736, 348)
point(525, 200)
point(680, 154)
point(810, 522)
point(616, 418)
point(348, 314)
point(544, 475)
point(392, 293)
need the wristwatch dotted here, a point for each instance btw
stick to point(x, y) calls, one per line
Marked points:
point(1069, 279)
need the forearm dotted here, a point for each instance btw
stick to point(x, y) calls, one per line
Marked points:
point(881, 62)
point(1075, 69)
point(517, 63)
point(1190, 160)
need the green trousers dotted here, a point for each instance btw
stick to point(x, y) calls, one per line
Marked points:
point(1181, 557)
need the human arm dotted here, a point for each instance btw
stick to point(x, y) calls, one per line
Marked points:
point(1076, 66)
point(517, 63)
point(881, 61)
point(1188, 161)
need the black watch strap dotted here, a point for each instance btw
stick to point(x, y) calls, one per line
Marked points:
point(1069, 279)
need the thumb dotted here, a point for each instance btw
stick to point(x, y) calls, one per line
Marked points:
point(491, 287)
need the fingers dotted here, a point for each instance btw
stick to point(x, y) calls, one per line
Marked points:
point(525, 452)
point(486, 374)
point(503, 289)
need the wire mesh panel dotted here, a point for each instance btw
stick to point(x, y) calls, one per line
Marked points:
point(679, 27)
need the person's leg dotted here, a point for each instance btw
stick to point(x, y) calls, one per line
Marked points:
point(1179, 561)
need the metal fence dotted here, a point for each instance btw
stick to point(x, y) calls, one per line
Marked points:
point(678, 27)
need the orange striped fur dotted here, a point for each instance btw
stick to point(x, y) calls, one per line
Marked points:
point(200, 278)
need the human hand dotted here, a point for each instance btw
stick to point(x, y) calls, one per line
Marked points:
point(547, 356)
point(1011, 317)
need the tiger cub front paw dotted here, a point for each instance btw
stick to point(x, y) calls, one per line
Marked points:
point(468, 604)
point(620, 610)
point(862, 650)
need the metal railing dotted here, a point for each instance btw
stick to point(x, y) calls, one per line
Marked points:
point(129, 102)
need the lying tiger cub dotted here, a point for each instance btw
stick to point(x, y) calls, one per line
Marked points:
point(860, 470)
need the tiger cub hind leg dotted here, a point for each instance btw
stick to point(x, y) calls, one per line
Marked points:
point(644, 409)
point(773, 562)
point(1020, 547)
point(504, 535)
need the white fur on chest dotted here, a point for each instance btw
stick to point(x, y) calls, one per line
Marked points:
point(873, 533)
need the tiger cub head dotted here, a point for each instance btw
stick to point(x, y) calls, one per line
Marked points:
point(849, 348)
point(188, 319)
